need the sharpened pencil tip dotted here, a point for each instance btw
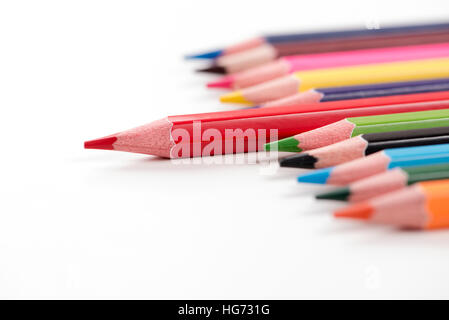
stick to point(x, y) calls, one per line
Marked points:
point(213, 69)
point(288, 145)
point(225, 82)
point(358, 211)
point(105, 143)
point(235, 97)
point(317, 176)
point(304, 161)
point(341, 194)
point(205, 55)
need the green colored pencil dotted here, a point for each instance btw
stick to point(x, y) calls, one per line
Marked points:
point(351, 127)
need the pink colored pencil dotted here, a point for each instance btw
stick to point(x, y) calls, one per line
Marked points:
point(290, 64)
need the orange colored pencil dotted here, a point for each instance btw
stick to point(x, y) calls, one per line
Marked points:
point(424, 205)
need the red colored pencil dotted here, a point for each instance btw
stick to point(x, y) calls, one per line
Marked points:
point(248, 130)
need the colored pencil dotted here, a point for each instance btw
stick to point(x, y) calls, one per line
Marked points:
point(363, 145)
point(351, 127)
point(386, 182)
point(377, 163)
point(307, 36)
point(359, 92)
point(254, 57)
point(161, 138)
point(290, 64)
point(338, 77)
point(424, 205)
point(380, 41)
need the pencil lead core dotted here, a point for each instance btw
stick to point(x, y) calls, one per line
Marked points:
point(341, 194)
point(289, 144)
point(358, 211)
point(205, 55)
point(235, 97)
point(305, 161)
point(225, 82)
point(102, 143)
point(213, 69)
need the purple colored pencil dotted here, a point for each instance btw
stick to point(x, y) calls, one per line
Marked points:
point(362, 91)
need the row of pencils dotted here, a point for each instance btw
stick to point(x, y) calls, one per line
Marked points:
point(364, 110)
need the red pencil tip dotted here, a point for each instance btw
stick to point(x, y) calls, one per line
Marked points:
point(358, 211)
point(105, 143)
point(225, 82)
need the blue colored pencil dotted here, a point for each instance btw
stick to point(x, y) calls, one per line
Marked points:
point(378, 162)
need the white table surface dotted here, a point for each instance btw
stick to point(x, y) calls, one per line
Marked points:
point(80, 223)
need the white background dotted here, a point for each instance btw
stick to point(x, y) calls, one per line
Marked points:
point(80, 223)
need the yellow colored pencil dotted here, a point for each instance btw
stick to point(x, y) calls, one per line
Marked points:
point(338, 77)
